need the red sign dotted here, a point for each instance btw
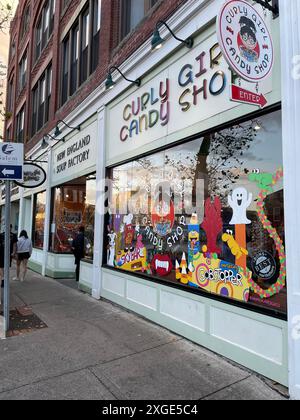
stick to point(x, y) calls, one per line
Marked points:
point(244, 96)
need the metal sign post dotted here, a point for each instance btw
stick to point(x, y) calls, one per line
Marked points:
point(6, 256)
point(11, 169)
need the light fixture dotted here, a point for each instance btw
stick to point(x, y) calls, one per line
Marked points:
point(57, 131)
point(157, 40)
point(266, 4)
point(109, 83)
point(45, 140)
point(257, 126)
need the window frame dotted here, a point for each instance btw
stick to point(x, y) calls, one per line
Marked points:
point(165, 282)
point(40, 110)
point(20, 120)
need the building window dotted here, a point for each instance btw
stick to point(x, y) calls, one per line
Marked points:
point(10, 95)
point(44, 27)
point(22, 72)
point(25, 22)
point(8, 134)
point(39, 220)
point(73, 206)
point(132, 12)
point(80, 50)
point(20, 124)
point(95, 34)
point(200, 216)
point(41, 96)
point(12, 50)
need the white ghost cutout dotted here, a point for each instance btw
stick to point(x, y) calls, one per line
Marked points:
point(239, 202)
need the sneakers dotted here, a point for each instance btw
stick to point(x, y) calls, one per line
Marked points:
point(16, 279)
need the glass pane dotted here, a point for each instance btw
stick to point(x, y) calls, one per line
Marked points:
point(207, 215)
point(74, 206)
point(39, 220)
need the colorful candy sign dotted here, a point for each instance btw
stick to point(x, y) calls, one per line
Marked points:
point(245, 40)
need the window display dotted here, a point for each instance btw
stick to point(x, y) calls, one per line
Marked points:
point(207, 215)
point(73, 206)
point(39, 219)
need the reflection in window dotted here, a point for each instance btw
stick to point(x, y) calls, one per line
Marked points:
point(74, 206)
point(132, 12)
point(39, 219)
point(206, 215)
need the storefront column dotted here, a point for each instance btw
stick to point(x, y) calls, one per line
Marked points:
point(47, 213)
point(290, 55)
point(99, 213)
point(21, 210)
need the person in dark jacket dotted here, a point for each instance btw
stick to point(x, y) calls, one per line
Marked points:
point(78, 248)
point(13, 249)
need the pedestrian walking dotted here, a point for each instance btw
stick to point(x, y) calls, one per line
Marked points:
point(13, 249)
point(24, 251)
point(78, 248)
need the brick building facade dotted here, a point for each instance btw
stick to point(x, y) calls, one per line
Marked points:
point(114, 48)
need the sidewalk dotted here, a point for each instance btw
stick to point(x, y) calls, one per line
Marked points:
point(95, 350)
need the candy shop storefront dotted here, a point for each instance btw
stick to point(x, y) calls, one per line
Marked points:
point(194, 236)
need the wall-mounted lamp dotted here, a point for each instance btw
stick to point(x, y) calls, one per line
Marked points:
point(45, 141)
point(157, 41)
point(57, 131)
point(109, 84)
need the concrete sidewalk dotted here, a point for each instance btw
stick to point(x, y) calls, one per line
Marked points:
point(96, 350)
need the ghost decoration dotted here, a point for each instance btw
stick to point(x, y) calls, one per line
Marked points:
point(239, 202)
point(111, 249)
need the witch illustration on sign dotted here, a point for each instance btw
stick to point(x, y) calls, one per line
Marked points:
point(247, 40)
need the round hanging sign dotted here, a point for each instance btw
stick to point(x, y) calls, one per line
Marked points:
point(245, 41)
point(33, 176)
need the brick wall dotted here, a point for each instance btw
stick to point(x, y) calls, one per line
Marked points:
point(113, 51)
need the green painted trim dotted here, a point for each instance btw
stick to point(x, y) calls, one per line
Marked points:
point(269, 369)
point(56, 274)
point(84, 288)
point(34, 266)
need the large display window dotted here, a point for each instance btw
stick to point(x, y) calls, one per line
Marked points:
point(206, 215)
point(73, 206)
point(39, 219)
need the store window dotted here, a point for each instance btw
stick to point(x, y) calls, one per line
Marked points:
point(207, 215)
point(73, 206)
point(39, 220)
point(132, 12)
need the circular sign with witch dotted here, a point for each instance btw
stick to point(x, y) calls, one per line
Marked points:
point(245, 41)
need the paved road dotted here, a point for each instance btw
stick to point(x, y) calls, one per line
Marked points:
point(96, 350)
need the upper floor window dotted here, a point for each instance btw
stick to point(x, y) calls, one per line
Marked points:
point(80, 50)
point(22, 72)
point(41, 96)
point(12, 50)
point(20, 124)
point(132, 12)
point(10, 95)
point(25, 22)
point(44, 27)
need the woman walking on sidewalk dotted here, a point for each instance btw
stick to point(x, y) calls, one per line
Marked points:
point(24, 251)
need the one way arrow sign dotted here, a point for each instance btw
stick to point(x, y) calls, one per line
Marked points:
point(11, 172)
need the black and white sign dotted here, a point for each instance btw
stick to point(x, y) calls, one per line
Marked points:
point(33, 176)
point(264, 265)
point(11, 161)
point(245, 41)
